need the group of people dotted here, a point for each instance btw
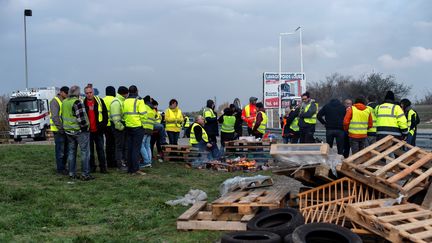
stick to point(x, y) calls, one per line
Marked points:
point(353, 126)
point(122, 129)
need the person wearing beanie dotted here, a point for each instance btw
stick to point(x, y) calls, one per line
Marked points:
point(228, 121)
point(109, 136)
point(412, 121)
point(118, 127)
point(249, 113)
point(57, 129)
point(260, 124)
point(211, 126)
point(390, 118)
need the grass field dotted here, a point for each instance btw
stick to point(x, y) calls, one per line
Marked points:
point(38, 206)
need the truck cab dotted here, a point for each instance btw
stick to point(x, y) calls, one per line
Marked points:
point(28, 112)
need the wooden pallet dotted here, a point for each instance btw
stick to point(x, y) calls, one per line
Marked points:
point(312, 175)
point(327, 203)
point(248, 202)
point(258, 150)
point(200, 217)
point(398, 223)
point(391, 166)
point(178, 153)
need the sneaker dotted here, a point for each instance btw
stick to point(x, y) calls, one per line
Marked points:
point(73, 177)
point(146, 166)
point(87, 178)
point(138, 173)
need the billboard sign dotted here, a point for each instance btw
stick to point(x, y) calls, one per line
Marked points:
point(291, 86)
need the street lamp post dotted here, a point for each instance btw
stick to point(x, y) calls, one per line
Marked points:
point(27, 12)
point(280, 62)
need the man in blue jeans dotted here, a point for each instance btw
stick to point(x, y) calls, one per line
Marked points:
point(57, 129)
point(76, 125)
point(199, 139)
point(331, 116)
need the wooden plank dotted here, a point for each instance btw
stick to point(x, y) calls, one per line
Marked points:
point(417, 180)
point(427, 201)
point(401, 216)
point(415, 225)
point(410, 169)
point(383, 154)
point(192, 211)
point(211, 225)
point(396, 161)
point(381, 210)
point(366, 150)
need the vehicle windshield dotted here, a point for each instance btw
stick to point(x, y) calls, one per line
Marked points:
point(18, 107)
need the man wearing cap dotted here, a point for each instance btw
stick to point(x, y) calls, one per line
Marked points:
point(390, 118)
point(249, 113)
point(260, 123)
point(109, 136)
point(56, 127)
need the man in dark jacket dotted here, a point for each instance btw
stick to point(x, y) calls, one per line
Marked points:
point(98, 118)
point(290, 128)
point(331, 116)
point(307, 118)
point(211, 123)
point(238, 126)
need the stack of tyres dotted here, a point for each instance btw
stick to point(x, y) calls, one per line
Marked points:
point(287, 225)
point(268, 227)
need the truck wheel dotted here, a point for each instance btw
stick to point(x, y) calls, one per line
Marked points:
point(17, 139)
point(42, 136)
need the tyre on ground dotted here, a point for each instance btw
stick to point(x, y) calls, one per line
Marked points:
point(281, 221)
point(251, 236)
point(323, 233)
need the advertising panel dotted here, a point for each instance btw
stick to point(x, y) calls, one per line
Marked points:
point(291, 86)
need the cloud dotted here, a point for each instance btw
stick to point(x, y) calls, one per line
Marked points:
point(416, 55)
point(140, 69)
point(321, 48)
point(423, 24)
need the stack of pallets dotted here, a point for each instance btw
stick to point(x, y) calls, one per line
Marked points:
point(180, 153)
point(257, 150)
point(233, 210)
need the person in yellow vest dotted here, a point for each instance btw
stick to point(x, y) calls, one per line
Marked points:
point(118, 127)
point(149, 120)
point(412, 121)
point(372, 103)
point(390, 118)
point(109, 135)
point(57, 129)
point(199, 139)
point(228, 121)
point(133, 112)
point(290, 129)
point(357, 121)
point(173, 122)
point(260, 124)
point(307, 118)
point(76, 126)
point(98, 118)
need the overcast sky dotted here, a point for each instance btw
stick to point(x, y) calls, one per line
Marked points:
point(193, 50)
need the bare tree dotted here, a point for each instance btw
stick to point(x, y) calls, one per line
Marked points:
point(341, 87)
point(4, 124)
point(426, 100)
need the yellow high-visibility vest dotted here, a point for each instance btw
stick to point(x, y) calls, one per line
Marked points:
point(391, 120)
point(359, 121)
point(192, 139)
point(133, 110)
point(52, 125)
point(107, 100)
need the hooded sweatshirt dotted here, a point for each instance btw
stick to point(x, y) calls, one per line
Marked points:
point(332, 115)
point(348, 117)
